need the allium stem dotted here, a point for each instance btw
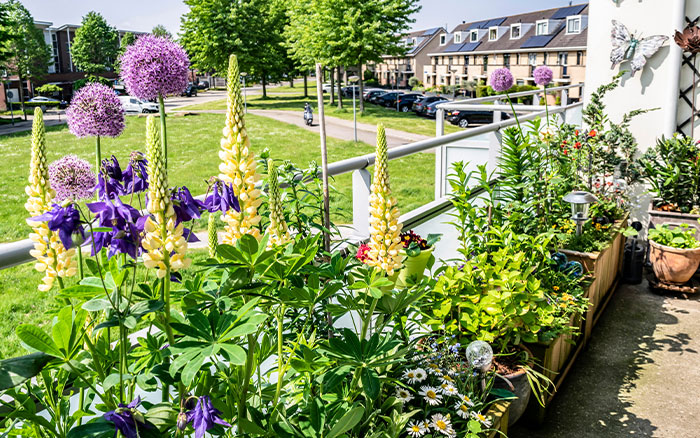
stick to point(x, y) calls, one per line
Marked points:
point(163, 129)
point(522, 138)
point(79, 250)
point(98, 155)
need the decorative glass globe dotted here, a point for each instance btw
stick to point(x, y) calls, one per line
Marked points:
point(479, 355)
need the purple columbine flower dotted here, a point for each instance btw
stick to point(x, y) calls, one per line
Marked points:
point(110, 178)
point(204, 416)
point(185, 206)
point(126, 225)
point(71, 178)
point(154, 66)
point(221, 198)
point(95, 111)
point(127, 419)
point(65, 220)
point(543, 75)
point(501, 79)
point(135, 175)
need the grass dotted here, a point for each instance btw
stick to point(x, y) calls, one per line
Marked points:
point(373, 114)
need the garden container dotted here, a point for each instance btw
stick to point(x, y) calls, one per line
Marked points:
point(518, 384)
point(499, 412)
point(659, 217)
point(673, 265)
point(413, 266)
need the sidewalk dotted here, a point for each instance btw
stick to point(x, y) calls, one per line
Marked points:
point(51, 118)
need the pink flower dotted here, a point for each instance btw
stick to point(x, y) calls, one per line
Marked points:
point(501, 79)
point(71, 178)
point(543, 75)
point(363, 253)
point(95, 110)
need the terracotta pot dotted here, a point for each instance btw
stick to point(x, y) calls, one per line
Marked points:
point(673, 265)
point(413, 266)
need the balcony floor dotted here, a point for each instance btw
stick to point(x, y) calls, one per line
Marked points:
point(639, 375)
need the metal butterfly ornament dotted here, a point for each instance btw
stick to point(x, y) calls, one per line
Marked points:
point(627, 46)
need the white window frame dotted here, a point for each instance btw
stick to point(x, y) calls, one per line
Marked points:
point(520, 31)
point(546, 27)
point(491, 29)
point(443, 39)
point(574, 18)
point(474, 36)
point(532, 58)
point(458, 37)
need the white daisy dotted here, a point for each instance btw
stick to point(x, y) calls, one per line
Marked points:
point(449, 390)
point(403, 395)
point(416, 429)
point(466, 400)
point(481, 418)
point(441, 423)
point(462, 409)
point(445, 378)
point(410, 376)
point(430, 395)
point(420, 374)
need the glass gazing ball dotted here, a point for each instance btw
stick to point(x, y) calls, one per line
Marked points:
point(479, 355)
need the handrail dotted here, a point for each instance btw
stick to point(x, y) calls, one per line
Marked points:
point(512, 95)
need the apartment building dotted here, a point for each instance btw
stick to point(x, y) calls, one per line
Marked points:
point(412, 63)
point(556, 38)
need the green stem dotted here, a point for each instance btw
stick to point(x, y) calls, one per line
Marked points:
point(163, 129)
point(515, 115)
point(79, 249)
point(242, 401)
point(280, 362)
point(98, 154)
point(368, 319)
point(546, 106)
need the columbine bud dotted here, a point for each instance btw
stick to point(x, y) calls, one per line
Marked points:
point(181, 420)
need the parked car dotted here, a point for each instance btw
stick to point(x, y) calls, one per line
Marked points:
point(373, 95)
point(190, 91)
point(133, 104)
point(349, 91)
point(388, 99)
point(50, 100)
point(326, 88)
point(203, 85)
point(431, 109)
point(420, 105)
point(467, 118)
point(406, 101)
point(366, 91)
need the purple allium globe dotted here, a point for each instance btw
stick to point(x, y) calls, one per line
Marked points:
point(95, 111)
point(154, 66)
point(71, 178)
point(501, 79)
point(543, 75)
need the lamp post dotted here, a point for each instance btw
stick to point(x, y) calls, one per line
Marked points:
point(397, 89)
point(580, 201)
point(245, 100)
point(353, 79)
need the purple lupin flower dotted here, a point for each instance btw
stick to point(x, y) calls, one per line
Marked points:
point(135, 176)
point(95, 111)
point(543, 75)
point(204, 416)
point(126, 225)
point(71, 178)
point(127, 419)
point(185, 206)
point(222, 198)
point(501, 79)
point(154, 66)
point(65, 220)
point(110, 178)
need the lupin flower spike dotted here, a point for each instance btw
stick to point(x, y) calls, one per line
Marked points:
point(164, 242)
point(211, 234)
point(238, 165)
point(385, 229)
point(52, 257)
point(277, 230)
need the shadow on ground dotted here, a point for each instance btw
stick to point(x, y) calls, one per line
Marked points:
point(626, 382)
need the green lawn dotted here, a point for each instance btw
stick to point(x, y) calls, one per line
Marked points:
point(373, 114)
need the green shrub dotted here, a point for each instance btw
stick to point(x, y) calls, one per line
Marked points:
point(682, 237)
point(414, 82)
point(371, 83)
point(48, 89)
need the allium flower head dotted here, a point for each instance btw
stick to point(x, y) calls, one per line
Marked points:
point(501, 79)
point(543, 75)
point(71, 178)
point(95, 110)
point(154, 66)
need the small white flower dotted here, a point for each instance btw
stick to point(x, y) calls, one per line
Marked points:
point(430, 395)
point(416, 429)
point(420, 374)
point(449, 390)
point(441, 423)
point(466, 400)
point(403, 395)
point(410, 376)
point(462, 409)
point(445, 378)
point(481, 418)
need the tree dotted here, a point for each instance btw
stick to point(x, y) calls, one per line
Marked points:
point(161, 31)
point(127, 39)
point(5, 33)
point(48, 89)
point(96, 44)
point(29, 56)
point(214, 29)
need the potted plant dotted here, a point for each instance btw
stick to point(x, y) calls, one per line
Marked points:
point(417, 253)
point(674, 252)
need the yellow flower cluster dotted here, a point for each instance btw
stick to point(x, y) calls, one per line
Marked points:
point(212, 236)
point(238, 164)
point(277, 230)
point(385, 229)
point(165, 245)
point(52, 258)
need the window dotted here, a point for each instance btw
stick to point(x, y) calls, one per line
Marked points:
point(486, 61)
point(542, 27)
point(449, 60)
point(474, 36)
point(458, 38)
point(466, 59)
point(506, 60)
point(579, 58)
point(563, 58)
point(493, 34)
point(443, 39)
point(573, 25)
point(514, 31)
point(532, 58)
point(517, 59)
point(544, 62)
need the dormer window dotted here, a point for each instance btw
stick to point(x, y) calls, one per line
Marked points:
point(515, 31)
point(458, 38)
point(573, 24)
point(543, 27)
point(443, 39)
point(474, 36)
point(493, 33)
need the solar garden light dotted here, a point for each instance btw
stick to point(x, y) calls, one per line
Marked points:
point(479, 356)
point(580, 201)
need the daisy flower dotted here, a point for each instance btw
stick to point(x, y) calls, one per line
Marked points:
point(445, 378)
point(449, 390)
point(403, 395)
point(410, 376)
point(466, 400)
point(430, 395)
point(441, 423)
point(416, 429)
point(420, 374)
point(462, 410)
point(481, 418)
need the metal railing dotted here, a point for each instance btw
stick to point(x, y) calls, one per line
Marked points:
point(15, 253)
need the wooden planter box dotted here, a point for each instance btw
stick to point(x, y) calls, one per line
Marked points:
point(499, 413)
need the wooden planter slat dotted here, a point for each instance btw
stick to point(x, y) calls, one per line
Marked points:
point(499, 413)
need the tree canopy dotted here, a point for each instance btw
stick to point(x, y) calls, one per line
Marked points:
point(5, 33)
point(161, 31)
point(96, 44)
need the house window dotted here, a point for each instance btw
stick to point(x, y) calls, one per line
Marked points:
point(514, 31)
point(573, 25)
point(563, 58)
point(493, 34)
point(542, 27)
point(544, 61)
point(449, 60)
point(517, 59)
point(474, 36)
point(532, 58)
point(486, 61)
point(458, 38)
point(443, 39)
point(466, 59)
point(579, 58)
point(506, 60)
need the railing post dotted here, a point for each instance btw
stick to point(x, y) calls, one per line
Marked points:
point(564, 98)
point(439, 153)
point(361, 181)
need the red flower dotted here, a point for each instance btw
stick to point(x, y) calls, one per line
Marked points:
point(577, 145)
point(566, 152)
point(576, 133)
point(563, 142)
point(593, 133)
point(363, 253)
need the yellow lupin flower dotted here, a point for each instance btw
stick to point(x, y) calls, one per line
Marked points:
point(277, 230)
point(52, 257)
point(164, 243)
point(238, 164)
point(384, 226)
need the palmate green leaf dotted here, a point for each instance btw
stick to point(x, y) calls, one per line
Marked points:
point(236, 354)
point(192, 367)
point(370, 383)
point(97, 305)
point(333, 378)
point(18, 370)
point(35, 338)
point(346, 422)
point(162, 416)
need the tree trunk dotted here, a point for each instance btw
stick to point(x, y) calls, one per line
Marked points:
point(306, 85)
point(291, 81)
point(21, 94)
point(264, 85)
point(332, 86)
point(362, 89)
point(340, 93)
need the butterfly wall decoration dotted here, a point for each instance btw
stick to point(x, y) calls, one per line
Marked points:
point(630, 47)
